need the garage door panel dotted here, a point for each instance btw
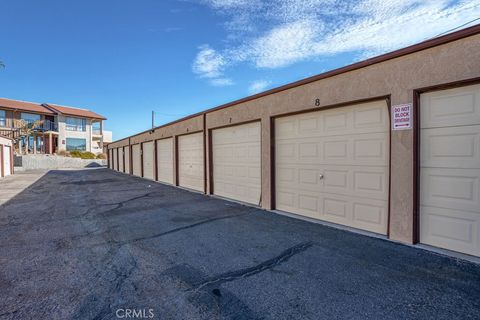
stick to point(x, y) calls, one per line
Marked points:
point(148, 160)
point(370, 182)
point(451, 147)
point(115, 159)
point(453, 107)
point(459, 232)
point(240, 192)
point(363, 149)
point(333, 165)
point(110, 158)
point(190, 161)
point(306, 205)
point(371, 117)
point(366, 214)
point(371, 215)
point(451, 188)
point(7, 169)
point(136, 160)
point(127, 159)
point(366, 118)
point(243, 173)
point(165, 160)
point(371, 149)
point(450, 169)
point(120, 159)
point(236, 162)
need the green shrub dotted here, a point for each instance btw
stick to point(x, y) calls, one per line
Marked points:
point(76, 153)
point(82, 154)
point(88, 155)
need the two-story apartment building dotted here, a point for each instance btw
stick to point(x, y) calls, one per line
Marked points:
point(49, 128)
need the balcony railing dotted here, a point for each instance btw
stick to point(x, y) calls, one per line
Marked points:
point(45, 125)
point(75, 127)
point(97, 132)
point(10, 133)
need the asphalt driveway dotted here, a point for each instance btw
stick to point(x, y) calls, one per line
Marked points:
point(85, 244)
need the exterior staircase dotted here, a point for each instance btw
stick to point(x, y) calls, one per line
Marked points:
point(10, 133)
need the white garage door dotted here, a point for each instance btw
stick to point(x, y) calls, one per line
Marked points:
point(190, 161)
point(333, 165)
point(110, 157)
point(127, 159)
point(450, 169)
point(165, 160)
point(136, 160)
point(120, 159)
point(148, 161)
point(236, 162)
point(115, 159)
point(7, 170)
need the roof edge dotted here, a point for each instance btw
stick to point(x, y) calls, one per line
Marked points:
point(47, 106)
point(52, 107)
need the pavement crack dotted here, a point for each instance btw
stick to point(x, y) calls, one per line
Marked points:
point(183, 228)
point(121, 204)
point(247, 272)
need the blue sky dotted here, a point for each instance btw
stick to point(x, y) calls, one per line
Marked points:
point(125, 58)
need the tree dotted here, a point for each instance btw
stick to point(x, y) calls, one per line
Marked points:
point(27, 128)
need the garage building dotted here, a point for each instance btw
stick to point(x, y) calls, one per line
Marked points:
point(388, 146)
point(6, 156)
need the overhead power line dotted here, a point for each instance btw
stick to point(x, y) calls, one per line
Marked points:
point(463, 25)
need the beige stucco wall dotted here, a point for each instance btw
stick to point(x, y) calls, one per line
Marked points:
point(63, 134)
point(396, 78)
point(194, 124)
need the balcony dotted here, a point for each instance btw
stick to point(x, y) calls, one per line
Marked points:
point(104, 134)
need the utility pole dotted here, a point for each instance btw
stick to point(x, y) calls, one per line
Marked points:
point(153, 119)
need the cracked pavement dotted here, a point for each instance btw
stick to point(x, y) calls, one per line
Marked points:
point(80, 244)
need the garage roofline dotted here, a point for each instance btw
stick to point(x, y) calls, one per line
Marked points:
point(427, 44)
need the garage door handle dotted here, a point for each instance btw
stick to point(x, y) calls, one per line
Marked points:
point(320, 176)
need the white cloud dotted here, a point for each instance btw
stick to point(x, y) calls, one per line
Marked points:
point(227, 4)
point(276, 33)
point(414, 23)
point(221, 82)
point(208, 63)
point(284, 45)
point(258, 86)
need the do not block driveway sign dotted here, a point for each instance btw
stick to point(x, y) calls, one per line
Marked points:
point(402, 117)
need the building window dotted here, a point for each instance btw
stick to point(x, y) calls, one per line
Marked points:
point(76, 144)
point(3, 118)
point(75, 124)
point(96, 128)
point(30, 117)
